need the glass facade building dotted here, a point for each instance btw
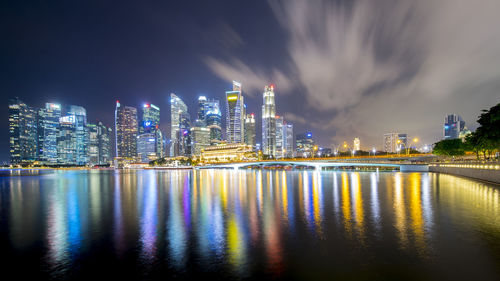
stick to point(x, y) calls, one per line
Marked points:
point(22, 132)
point(453, 125)
point(250, 134)
point(125, 131)
point(288, 140)
point(180, 127)
point(305, 145)
point(235, 115)
point(146, 147)
point(280, 142)
point(48, 129)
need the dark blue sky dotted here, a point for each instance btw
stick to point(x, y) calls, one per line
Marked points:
point(343, 69)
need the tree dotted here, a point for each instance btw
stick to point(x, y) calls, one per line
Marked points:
point(454, 147)
point(486, 139)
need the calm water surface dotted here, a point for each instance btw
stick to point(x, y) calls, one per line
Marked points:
point(248, 224)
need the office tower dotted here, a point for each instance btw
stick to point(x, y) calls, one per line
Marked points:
point(22, 132)
point(81, 137)
point(180, 127)
point(125, 131)
point(200, 138)
point(288, 140)
point(235, 114)
point(151, 124)
point(356, 144)
point(66, 141)
point(48, 129)
point(395, 142)
point(93, 146)
point(453, 125)
point(250, 134)
point(390, 142)
point(280, 142)
point(305, 145)
point(99, 148)
point(105, 132)
point(214, 123)
point(269, 122)
point(146, 147)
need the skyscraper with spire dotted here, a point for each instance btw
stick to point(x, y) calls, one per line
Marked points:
point(235, 115)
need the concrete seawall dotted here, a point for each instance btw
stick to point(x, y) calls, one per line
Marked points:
point(488, 174)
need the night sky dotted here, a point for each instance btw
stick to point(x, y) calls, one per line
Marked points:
point(342, 69)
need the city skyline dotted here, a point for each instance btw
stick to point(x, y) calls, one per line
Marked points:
point(73, 69)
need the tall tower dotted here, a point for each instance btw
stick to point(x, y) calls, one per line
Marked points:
point(280, 141)
point(235, 114)
point(269, 122)
point(180, 126)
point(48, 127)
point(288, 140)
point(250, 130)
point(22, 132)
point(453, 125)
point(125, 131)
point(151, 125)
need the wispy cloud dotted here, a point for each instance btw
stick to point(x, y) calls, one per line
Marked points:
point(253, 80)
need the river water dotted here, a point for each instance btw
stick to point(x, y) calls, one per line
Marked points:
point(248, 224)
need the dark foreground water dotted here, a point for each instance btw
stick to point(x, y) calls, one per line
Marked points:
point(250, 224)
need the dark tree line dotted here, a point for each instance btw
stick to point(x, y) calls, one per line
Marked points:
point(484, 141)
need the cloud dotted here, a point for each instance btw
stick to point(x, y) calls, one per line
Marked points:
point(252, 80)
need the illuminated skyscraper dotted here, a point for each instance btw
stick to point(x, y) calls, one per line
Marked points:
point(146, 147)
point(288, 140)
point(99, 148)
point(126, 131)
point(394, 142)
point(82, 136)
point(280, 142)
point(66, 141)
point(356, 144)
point(151, 125)
point(453, 125)
point(305, 145)
point(235, 114)
point(200, 139)
point(250, 135)
point(48, 128)
point(269, 122)
point(214, 123)
point(180, 127)
point(22, 132)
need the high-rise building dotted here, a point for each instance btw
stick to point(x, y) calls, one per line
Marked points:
point(305, 145)
point(22, 132)
point(269, 122)
point(180, 127)
point(395, 142)
point(205, 106)
point(146, 147)
point(200, 138)
point(214, 123)
point(453, 125)
point(48, 129)
point(250, 130)
point(126, 131)
point(280, 142)
point(235, 114)
point(66, 141)
point(82, 136)
point(288, 140)
point(356, 144)
point(99, 148)
point(150, 124)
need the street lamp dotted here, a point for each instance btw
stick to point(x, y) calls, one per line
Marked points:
point(315, 148)
point(374, 151)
